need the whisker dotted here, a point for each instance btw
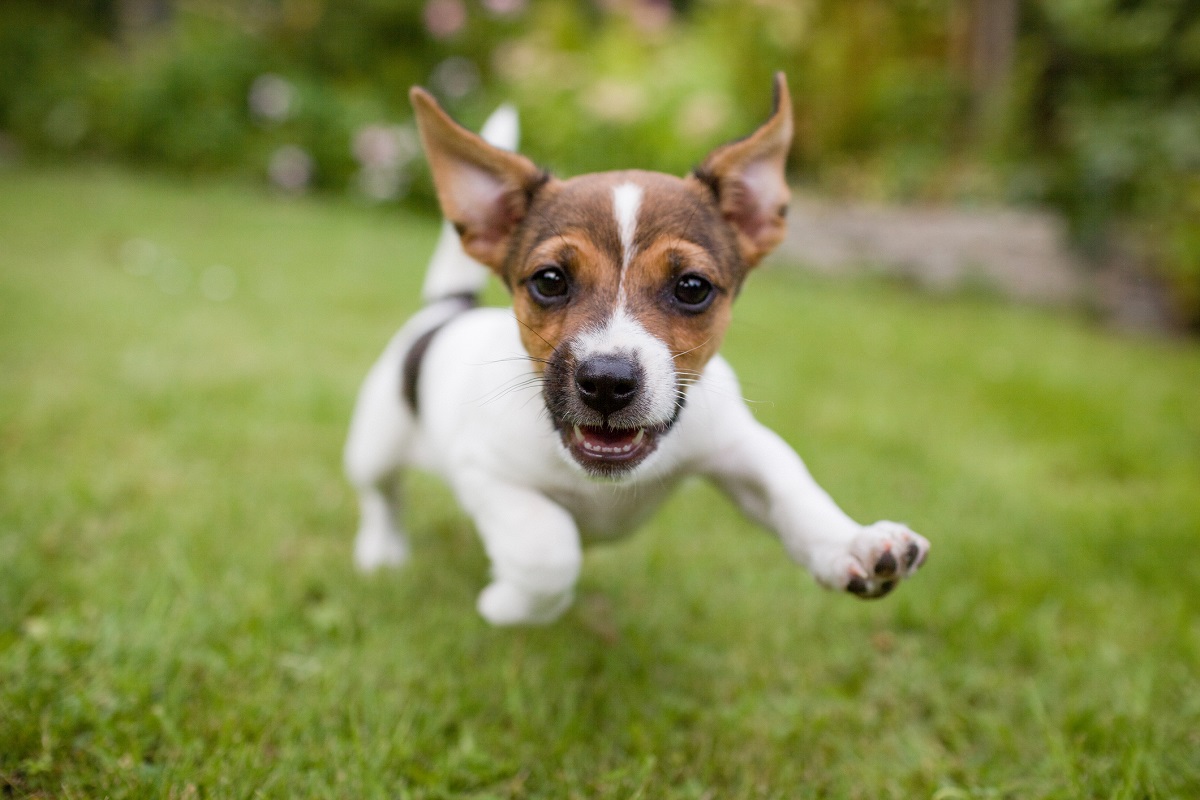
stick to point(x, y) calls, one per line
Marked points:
point(534, 359)
point(530, 399)
point(535, 333)
point(506, 393)
point(690, 379)
point(697, 347)
point(512, 384)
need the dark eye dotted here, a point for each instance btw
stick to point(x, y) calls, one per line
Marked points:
point(548, 285)
point(693, 292)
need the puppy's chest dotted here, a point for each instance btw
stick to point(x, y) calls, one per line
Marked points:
point(609, 511)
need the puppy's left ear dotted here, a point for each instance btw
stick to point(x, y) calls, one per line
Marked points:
point(747, 177)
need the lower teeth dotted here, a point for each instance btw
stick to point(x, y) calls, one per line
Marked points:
point(595, 448)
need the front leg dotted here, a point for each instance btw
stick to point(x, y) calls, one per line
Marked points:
point(770, 483)
point(534, 547)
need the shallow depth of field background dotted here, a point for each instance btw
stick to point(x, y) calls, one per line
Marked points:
point(213, 215)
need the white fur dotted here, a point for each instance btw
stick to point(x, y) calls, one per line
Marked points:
point(502, 128)
point(533, 507)
point(627, 201)
point(483, 428)
point(622, 334)
point(452, 271)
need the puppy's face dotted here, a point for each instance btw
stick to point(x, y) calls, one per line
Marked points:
point(622, 282)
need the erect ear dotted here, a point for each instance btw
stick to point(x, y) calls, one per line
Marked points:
point(747, 177)
point(483, 190)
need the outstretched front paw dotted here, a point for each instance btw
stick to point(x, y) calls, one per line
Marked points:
point(881, 556)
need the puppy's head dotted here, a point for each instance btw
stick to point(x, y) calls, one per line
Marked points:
point(622, 282)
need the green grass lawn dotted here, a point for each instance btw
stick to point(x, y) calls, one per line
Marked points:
point(179, 616)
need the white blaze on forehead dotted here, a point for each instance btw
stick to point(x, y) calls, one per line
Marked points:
point(627, 199)
point(622, 334)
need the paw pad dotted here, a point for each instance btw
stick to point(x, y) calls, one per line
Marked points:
point(886, 566)
point(883, 555)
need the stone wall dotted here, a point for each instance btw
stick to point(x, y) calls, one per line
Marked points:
point(1022, 255)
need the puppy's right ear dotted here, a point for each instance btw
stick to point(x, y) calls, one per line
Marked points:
point(484, 191)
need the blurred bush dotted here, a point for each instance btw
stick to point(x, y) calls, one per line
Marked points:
point(1108, 114)
point(1099, 114)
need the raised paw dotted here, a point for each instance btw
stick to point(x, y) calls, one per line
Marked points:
point(881, 556)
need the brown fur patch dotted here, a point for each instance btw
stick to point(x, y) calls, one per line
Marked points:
point(679, 230)
point(649, 285)
point(593, 280)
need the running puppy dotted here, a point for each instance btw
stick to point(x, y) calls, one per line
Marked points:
point(622, 285)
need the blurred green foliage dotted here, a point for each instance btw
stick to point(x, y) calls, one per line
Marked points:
point(1101, 116)
point(1110, 116)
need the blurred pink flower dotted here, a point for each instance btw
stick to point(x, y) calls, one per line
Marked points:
point(455, 77)
point(444, 18)
point(651, 16)
point(515, 59)
point(374, 146)
point(383, 184)
point(703, 115)
point(614, 101)
point(291, 168)
point(379, 145)
point(535, 63)
point(505, 7)
point(271, 97)
point(384, 152)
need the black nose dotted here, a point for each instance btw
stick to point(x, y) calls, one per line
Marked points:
point(607, 383)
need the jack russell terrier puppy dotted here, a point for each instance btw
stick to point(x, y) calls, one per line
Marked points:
point(571, 416)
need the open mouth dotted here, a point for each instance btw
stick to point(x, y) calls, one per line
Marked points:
point(604, 447)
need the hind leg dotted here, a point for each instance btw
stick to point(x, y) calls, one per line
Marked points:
point(377, 448)
point(380, 541)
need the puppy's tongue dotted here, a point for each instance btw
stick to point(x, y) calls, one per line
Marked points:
point(608, 440)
